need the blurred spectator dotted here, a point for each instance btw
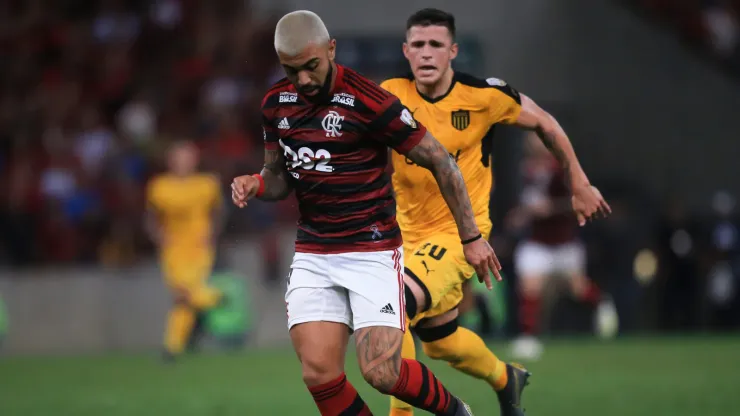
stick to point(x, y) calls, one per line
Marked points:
point(91, 95)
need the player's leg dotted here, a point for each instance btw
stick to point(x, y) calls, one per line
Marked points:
point(464, 350)
point(376, 292)
point(318, 319)
point(181, 317)
point(572, 264)
point(533, 263)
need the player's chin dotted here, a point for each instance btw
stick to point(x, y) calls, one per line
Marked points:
point(427, 76)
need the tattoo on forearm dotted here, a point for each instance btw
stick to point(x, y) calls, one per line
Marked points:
point(379, 355)
point(277, 186)
point(429, 153)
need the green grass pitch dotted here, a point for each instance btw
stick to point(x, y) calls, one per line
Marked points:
point(676, 376)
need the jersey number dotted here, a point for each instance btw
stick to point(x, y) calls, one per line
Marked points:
point(307, 159)
point(436, 252)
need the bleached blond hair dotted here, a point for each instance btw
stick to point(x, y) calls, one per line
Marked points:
point(298, 29)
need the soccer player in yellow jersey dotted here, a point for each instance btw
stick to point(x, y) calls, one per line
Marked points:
point(460, 110)
point(184, 219)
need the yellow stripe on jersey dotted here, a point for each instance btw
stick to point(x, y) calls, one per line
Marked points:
point(461, 120)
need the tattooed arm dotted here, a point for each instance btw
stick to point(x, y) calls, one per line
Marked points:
point(430, 154)
point(587, 201)
point(277, 186)
point(534, 118)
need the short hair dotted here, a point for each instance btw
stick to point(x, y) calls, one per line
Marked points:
point(432, 17)
point(296, 30)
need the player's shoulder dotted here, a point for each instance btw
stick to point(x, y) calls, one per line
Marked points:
point(208, 180)
point(491, 86)
point(366, 90)
point(280, 93)
point(398, 83)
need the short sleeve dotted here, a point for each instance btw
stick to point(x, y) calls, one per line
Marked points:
point(505, 102)
point(269, 133)
point(396, 127)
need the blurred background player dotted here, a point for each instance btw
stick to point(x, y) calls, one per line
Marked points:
point(460, 110)
point(184, 220)
point(552, 247)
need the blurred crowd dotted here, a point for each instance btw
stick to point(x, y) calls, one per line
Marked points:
point(92, 93)
point(712, 26)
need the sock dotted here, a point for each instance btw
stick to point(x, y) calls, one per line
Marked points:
point(408, 350)
point(339, 397)
point(419, 387)
point(529, 314)
point(591, 294)
point(465, 351)
point(179, 326)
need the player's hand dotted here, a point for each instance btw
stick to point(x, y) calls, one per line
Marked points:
point(481, 256)
point(243, 188)
point(588, 204)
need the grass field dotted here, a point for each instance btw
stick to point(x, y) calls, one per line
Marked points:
point(693, 376)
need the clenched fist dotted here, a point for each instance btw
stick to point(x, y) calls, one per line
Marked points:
point(481, 256)
point(243, 188)
point(588, 204)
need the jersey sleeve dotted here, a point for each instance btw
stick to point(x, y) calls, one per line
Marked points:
point(396, 127)
point(505, 102)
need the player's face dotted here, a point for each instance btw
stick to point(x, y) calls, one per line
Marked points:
point(309, 70)
point(183, 159)
point(429, 50)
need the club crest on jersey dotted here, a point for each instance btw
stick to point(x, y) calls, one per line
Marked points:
point(344, 98)
point(461, 119)
point(332, 124)
point(495, 82)
point(288, 97)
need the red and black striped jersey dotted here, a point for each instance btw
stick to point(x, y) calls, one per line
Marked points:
point(336, 156)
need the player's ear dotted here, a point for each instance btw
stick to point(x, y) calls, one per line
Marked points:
point(406, 50)
point(453, 51)
point(332, 49)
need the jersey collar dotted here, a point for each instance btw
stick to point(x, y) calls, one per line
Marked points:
point(441, 97)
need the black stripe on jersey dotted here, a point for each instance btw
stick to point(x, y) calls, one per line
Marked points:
point(334, 189)
point(331, 227)
point(486, 147)
point(313, 125)
point(364, 91)
point(348, 208)
point(361, 236)
point(476, 82)
point(377, 91)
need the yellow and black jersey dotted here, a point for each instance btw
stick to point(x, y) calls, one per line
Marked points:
point(461, 120)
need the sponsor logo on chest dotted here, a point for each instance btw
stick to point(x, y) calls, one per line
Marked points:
point(344, 98)
point(288, 97)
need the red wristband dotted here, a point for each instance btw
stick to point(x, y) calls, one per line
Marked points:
point(261, 189)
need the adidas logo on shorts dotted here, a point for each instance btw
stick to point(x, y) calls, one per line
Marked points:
point(387, 309)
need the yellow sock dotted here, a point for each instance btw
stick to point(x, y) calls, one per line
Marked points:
point(465, 351)
point(408, 351)
point(179, 325)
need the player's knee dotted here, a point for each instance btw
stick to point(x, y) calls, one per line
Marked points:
point(315, 372)
point(435, 341)
point(383, 375)
point(531, 285)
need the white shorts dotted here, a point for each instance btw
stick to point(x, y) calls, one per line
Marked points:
point(356, 289)
point(536, 259)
